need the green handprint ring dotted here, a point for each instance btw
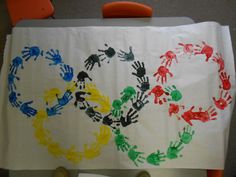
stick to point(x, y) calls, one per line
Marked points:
point(138, 99)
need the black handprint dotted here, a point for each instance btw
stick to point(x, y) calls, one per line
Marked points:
point(80, 99)
point(95, 116)
point(108, 121)
point(129, 119)
point(110, 52)
point(125, 55)
point(140, 101)
point(91, 60)
point(81, 79)
point(140, 69)
point(83, 105)
point(144, 84)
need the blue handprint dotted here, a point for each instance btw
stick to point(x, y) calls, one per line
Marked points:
point(13, 99)
point(54, 56)
point(65, 98)
point(66, 73)
point(16, 63)
point(27, 110)
point(29, 52)
point(54, 110)
point(11, 83)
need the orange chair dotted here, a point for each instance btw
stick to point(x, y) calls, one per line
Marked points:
point(29, 9)
point(215, 173)
point(125, 9)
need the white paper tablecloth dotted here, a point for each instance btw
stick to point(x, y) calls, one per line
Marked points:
point(66, 138)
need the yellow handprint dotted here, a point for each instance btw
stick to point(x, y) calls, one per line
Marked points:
point(37, 123)
point(104, 135)
point(71, 86)
point(41, 114)
point(92, 151)
point(43, 136)
point(50, 95)
point(94, 92)
point(73, 155)
point(97, 97)
point(55, 149)
point(39, 119)
point(105, 105)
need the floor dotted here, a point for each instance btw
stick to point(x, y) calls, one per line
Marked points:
point(222, 11)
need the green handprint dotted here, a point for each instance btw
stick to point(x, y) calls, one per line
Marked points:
point(173, 150)
point(120, 141)
point(135, 156)
point(187, 135)
point(174, 93)
point(128, 93)
point(156, 158)
point(116, 111)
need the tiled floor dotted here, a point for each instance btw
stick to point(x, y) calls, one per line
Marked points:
point(222, 11)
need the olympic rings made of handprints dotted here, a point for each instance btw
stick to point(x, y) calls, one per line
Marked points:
point(98, 107)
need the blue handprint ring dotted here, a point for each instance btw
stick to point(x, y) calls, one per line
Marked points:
point(34, 53)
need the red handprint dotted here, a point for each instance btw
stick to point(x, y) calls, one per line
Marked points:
point(187, 48)
point(168, 57)
point(207, 115)
point(226, 85)
point(224, 101)
point(161, 73)
point(174, 110)
point(203, 116)
point(158, 93)
point(188, 116)
point(204, 50)
point(219, 60)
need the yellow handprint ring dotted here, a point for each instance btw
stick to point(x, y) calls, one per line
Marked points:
point(90, 151)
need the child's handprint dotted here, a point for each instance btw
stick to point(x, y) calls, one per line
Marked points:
point(29, 52)
point(66, 73)
point(54, 56)
point(27, 110)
